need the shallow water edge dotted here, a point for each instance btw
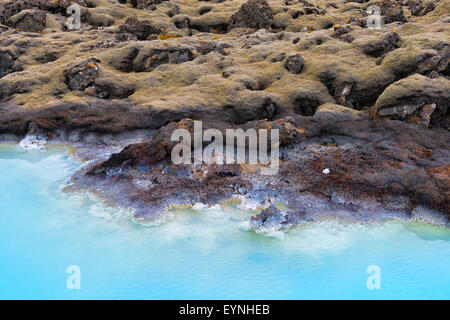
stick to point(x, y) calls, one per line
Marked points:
point(199, 252)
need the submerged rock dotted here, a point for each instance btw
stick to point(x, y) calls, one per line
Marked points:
point(269, 220)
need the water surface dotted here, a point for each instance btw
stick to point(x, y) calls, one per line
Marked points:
point(196, 254)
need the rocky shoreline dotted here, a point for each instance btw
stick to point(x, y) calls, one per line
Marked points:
point(363, 114)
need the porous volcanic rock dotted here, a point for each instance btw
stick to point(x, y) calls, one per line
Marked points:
point(29, 20)
point(396, 171)
point(367, 106)
point(254, 14)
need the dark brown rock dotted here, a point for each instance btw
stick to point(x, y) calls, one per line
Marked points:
point(29, 21)
point(435, 63)
point(174, 11)
point(256, 14)
point(146, 4)
point(416, 99)
point(141, 29)
point(392, 11)
point(381, 46)
point(339, 31)
point(157, 57)
point(54, 6)
point(14, 7)
point(82, 76)
point(294, 63)
point(60, 6)
point(6, 62)
point(419, 8)
point(269, 219)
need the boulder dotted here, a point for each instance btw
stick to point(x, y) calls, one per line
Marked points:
point(54, 6)
point(174, 11)
point(29, 21)
point(60, 6)
point(416, 99)
point(294, 63)
point(256, 14)
point(6, 62)
point(418, 8)
point(337, 113)
point(408, 60)
point(14, 7)
point(392, 11)
point(269, 220)
point(141, 29)
point(339, 31)
point(379, 46)
point(146, 4)
point(149, 61)
point(82, 76)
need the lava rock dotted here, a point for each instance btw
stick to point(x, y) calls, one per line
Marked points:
point(157, 57)
point(294, 64)
point(6, 62)
point(146, 4)
point(256, 14)
point(54, 6)
point(141, 29)
point(29, 21)
point(60, 6)
point(418, 8)
point(14, 7)
point(416, 99)
point(411, 113)
point(174, 11)
point(339, 31)
point(436, 64)
point(270, 219)
point(392, 12)
point(108, 89)
point(82, 76)
point(379, 47)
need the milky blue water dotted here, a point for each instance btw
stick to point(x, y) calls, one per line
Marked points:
point(195, 254)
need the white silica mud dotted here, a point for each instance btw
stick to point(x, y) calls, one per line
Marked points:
point(197, 252)
point(33, 142)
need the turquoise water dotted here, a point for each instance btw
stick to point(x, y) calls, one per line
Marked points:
point(195, 254)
